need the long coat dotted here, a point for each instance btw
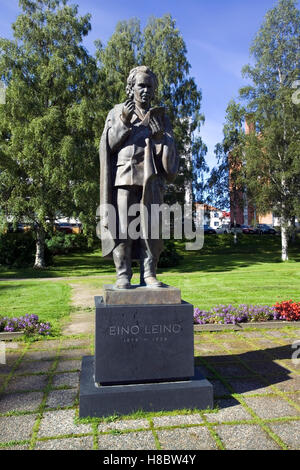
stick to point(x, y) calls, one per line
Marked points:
point(129, 156)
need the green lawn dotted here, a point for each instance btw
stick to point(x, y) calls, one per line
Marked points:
point(49, 300)
point(220, 273)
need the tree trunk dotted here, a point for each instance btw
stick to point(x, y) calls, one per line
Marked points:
point(235, 237)
point(284, 242)
point(40, 249)
point(188, 186)
point(293, 229)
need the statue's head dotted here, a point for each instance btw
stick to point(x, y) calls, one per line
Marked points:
point(141, 81)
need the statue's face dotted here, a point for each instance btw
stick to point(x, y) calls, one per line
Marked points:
point(143, 89)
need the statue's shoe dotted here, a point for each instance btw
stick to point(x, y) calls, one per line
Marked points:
point(151, 281)
point(122, 283)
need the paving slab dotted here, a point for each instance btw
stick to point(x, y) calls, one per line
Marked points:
point(16, 428)
point(73, 443)
point(289, 384)
point(232, 370)
point(250, 334)
point(295, 397)
point(281, 352)
point(277, 334)
point(39, 355)
point(124, 425)
point(271, 407)
point(61, 422)
point(248, 357)
point(288, 432)
point(3, 379)
point(17, 447)
point(70, 379)
point(269, 368)
point(69, 365)
point(197, 438)
point(264, 343)
point(249, 386)
point(235, 346)
point(61, 398)
point(31, 367)
point(217, 358)
point(25, 393)
point(291, 364)
point(75, 343)
point(28, 383)
point(73, 354)
point(245, 437)
point(230, 410)
point(143, 440)
point(207, 349)
point(20, 401)
point(177, 420)
point(10, 361)
point(46, 345)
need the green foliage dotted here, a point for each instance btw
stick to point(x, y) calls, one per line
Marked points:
point(18, 249)
point(47, 153)
point(169, 256)
point(165, 53)
point(57, 100)
point(161, 47)
point(227, 178)
point(272, 158)
point(62, 243)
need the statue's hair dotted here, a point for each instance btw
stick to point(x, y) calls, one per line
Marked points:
point(132, 76)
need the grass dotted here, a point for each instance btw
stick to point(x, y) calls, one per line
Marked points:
point(49, 300)
point(221, 273)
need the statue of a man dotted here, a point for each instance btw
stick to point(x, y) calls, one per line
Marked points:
point(137, 156)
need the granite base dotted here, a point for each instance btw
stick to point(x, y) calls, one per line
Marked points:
point(143, 343)
point(106, 400)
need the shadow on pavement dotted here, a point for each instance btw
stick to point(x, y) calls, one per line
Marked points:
point(249, 372)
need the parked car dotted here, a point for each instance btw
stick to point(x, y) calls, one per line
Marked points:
point(225, 228)
point(64, 227)
point(264, 229)
point(247, 229)
point(237, 228)
point(21, 227)
point(209, 230)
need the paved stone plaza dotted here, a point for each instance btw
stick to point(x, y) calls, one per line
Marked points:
point(256, 386)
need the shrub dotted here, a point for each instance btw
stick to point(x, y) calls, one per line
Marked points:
point(169, 256)
point(18, 249)
point(30, 324)
point(288, 310)
point(62, 243)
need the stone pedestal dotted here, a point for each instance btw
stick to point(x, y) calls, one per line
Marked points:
point(106, 400)
point(144, 355)
point(143, 343)
point(141, 295)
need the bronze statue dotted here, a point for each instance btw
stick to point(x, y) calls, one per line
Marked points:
point(137, 156)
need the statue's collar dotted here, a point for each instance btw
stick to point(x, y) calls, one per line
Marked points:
point(140, 113)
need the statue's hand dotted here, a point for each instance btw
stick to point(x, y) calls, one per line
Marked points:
point(156, 128)
point(127, 111)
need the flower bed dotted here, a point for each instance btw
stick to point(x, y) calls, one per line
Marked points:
point(29, 324)
point(228, 314)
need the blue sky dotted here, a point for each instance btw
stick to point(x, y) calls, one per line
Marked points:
point(217, 33)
